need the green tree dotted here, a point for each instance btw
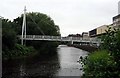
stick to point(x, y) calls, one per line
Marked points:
point(99, 65)
point(38, 24)
point(106, 62)
point(10, 48)
point(8, 35)
point(111, 42)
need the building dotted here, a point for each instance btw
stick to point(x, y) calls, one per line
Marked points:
point(93, 33)
point(102, 29)
point(119, 7)
point(99, 30)
point(85, 35)
point(116, 21)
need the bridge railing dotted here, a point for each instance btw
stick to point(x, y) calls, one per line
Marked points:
point(43, 37)
point(94, 40)
point(65, 39)
point(59, 38)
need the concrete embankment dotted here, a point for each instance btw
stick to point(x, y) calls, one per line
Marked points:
point(85, 47)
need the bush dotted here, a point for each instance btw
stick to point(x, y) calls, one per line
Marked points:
point(111, 41)
point(18, 51)
point(44, 47)
point(99, 65)
point(104, 63)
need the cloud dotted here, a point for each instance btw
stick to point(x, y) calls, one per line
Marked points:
point(73, 16)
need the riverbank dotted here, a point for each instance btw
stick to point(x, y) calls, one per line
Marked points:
point(64, 63)
point(29, 55)
point(85, 47)
point(21, 52)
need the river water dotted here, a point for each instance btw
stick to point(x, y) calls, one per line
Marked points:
point(63, 64)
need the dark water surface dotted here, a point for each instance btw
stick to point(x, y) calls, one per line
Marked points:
point(63, 64)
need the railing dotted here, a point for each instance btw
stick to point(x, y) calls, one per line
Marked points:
point(43, 37)
point(59, 38)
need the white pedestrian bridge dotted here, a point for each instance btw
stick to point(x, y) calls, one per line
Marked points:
point(59, 38)
point(53, 38)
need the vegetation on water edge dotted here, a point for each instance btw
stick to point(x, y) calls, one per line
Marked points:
point(37, 24)
point(85, 47)
point(98, 65)
point(104, 63)
point(17, 52)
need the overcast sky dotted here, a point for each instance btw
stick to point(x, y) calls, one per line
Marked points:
point(72, 16)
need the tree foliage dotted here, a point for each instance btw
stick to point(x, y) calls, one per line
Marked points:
point(111, 43)
point(38, 24)
point(106, 62)
point(8, 35)
point(99, 65)
point(111, 40)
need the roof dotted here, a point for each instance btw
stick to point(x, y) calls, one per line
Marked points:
point(115, 17)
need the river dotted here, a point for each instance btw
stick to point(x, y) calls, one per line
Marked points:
point(63, 64)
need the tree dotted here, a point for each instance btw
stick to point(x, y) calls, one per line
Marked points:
point(10, 48)
point(106, 62)
point(111, 42)
point(98, 64)
point(8, 35)
point(38, 24)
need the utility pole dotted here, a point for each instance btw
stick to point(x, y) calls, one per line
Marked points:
point(24, 26)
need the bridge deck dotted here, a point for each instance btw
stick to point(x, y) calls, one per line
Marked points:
point(59, 38)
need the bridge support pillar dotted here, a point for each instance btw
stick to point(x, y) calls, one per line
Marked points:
point(24, 27)
point(71, 42)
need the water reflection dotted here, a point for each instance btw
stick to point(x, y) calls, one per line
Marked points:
point(68, 57)
point(63, 64)
point(31, 68)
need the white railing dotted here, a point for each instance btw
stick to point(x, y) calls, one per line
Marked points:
point(59, 38)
